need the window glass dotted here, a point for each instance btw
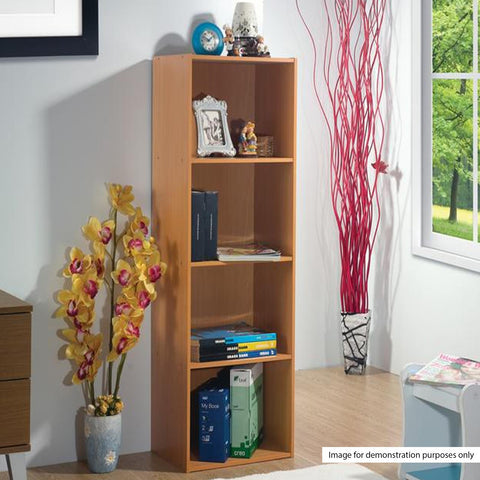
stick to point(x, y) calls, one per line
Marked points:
point(452, 36)
point(452, 159)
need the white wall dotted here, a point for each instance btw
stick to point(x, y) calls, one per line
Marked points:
point(426, 307)
point(317, 273)
point(420, 307)
point(67, 125)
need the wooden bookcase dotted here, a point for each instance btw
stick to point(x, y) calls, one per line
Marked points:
point(256, 202)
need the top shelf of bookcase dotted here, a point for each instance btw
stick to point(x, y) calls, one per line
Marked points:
point(238, 160)
point(232, 59)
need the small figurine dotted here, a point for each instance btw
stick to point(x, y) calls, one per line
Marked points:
point(262, 49)
point(247, 144)
point(229, 40)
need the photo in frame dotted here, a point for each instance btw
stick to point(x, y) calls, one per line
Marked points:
point(32, 28)
point(212, 128)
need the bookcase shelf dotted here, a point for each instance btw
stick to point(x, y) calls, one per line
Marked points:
point(280, 357)
point(238, 160)
point(262, 454)
point(216, 263)
point(256, 203)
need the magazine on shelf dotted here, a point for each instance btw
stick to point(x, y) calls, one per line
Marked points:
point(448, 370)
point(250, 252)
point(240, 332)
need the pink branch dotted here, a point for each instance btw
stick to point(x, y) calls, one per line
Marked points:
point(356, 134)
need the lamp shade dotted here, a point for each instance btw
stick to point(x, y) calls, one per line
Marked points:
point(244, 23)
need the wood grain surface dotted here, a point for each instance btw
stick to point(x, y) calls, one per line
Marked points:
point(324, 416)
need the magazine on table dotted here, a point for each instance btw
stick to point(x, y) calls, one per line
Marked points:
point(448, 370)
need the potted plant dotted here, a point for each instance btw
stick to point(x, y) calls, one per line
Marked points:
point(125, 260)
point(356, 134)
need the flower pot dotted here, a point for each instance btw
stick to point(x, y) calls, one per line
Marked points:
point(355, 328)
point(102, 440)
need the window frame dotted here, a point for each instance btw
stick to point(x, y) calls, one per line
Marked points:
point(426, 243)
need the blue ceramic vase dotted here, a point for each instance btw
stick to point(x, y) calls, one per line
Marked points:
point(102, 441)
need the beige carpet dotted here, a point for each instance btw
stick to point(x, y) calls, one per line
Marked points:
point(321, 472)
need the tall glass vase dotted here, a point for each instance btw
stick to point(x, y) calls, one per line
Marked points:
point(355, 330)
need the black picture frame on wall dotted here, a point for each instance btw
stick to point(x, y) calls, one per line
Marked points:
point(85, 44)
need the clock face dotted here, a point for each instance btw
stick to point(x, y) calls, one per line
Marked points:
point(209, 40)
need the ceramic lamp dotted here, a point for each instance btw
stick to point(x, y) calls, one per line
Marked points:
point(244, 23)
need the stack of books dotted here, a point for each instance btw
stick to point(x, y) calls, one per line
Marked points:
point(204, 225)
point(251, 252)
point(231, 342)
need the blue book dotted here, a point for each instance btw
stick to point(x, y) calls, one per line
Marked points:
point(214, 423)
point(240, 332)
point(211, 225)
point(239, 355)
point(198, 226)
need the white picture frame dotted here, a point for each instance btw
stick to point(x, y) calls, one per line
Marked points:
point(213, 135)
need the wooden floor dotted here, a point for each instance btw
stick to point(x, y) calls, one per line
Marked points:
point(332, 409)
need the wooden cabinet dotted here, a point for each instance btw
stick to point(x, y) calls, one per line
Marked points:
point(256, 203)
point(15, 341)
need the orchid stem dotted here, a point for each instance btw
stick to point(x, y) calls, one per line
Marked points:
point(119, 374)
point(91, 387)
point(112, 302)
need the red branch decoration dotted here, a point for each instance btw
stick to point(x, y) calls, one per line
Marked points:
point(356, 131)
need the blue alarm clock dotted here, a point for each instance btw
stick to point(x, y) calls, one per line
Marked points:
point(207, 39)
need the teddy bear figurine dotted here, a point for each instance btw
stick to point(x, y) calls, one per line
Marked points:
point(229, 40)
point(262, 49)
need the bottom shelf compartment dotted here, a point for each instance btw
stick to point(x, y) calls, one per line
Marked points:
point(263, 454)
point(277, 415)
point(451, 472)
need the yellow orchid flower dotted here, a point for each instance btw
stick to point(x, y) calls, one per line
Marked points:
point(73, 308)
point(121, 198)
point(99, 260)
point(87, 357)
point(99, 232)
point(86, 287)
point(75, 335)
point(79, 263)
point(137, 244)
point(140, 293)
point(126, 334)
point(150, 270)
point(124, 274)
point(127, 306)
point(139, 222)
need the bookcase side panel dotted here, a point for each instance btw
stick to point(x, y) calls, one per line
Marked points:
point(273, 302)
point(170, 219)
point(274, 206)
point(278, 380)
point(275, 104)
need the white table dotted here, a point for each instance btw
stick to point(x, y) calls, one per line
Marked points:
point(435, 416)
